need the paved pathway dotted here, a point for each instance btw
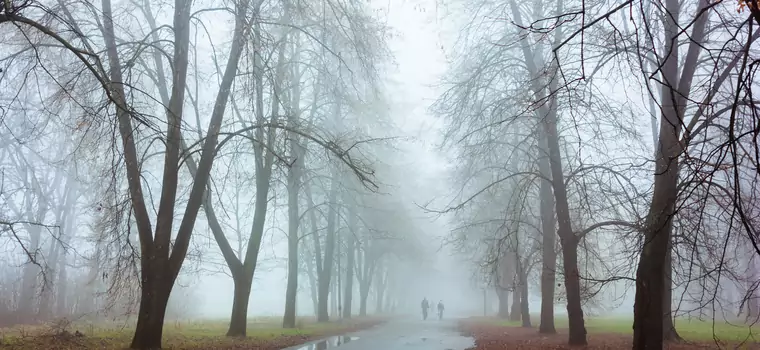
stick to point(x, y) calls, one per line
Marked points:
point(401, 334)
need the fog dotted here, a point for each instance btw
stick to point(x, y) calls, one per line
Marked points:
point(521, 160)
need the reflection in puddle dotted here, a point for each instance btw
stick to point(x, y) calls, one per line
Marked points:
point(328, 343)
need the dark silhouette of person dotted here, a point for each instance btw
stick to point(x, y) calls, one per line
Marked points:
point(440, 310)
point(425, 307)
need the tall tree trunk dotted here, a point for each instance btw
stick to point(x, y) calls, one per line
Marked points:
point(651, 275)
point(153, 301)
point(568, 240)
point(669, 329)
point(45, 309)
point(514, 312)
point(504, 283)
point(241, 297)
point(380, 287)
point(50, 282)
point(363, 296)
point(548, 252)
point(326, 271)
point(334, 296)
point(289, 319)
point(350, 250)
point(294, 186)
point(312, 281)
point(61, 308)
point(69, 221)
point(503, 295)
point(264, 160)
point(367, 268)
point(29, 280)
point(524, 296)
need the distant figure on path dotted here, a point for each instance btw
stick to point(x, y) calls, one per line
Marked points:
point(425, 307)
point(440, 310)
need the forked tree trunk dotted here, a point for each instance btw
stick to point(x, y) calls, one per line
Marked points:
point(161, 261)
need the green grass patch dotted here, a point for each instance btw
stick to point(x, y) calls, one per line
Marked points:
point(199, 334)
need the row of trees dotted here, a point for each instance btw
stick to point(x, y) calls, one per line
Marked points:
point(549, 112)
point(122, 148)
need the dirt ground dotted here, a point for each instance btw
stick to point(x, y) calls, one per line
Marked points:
point(496, 337)
point(274, 341)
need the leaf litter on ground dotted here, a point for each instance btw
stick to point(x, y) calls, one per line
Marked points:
point(491, 336)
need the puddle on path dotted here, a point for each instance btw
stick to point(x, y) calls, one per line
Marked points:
point(329, 343)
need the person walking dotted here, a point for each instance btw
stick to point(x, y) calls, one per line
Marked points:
point(440, 310)
point(425, 307)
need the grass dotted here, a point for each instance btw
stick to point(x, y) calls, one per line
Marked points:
point(262, 333)
point(694, 330)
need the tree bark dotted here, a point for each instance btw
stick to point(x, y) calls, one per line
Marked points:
point(651, 274)
point(503, 295)
point(514, 312)
point(524, 305)
point(380, 288)
point(363, 296)
point(150, 321)
point(294, 186)
point(669, 328)
point(326, 272)
point(350, 250)
point(312, 282)
point(31, 270)
point(577, 334)
point(289, 319)
point(334, 295)
point(548, 243)
point(61, 307)
point(568, 240)
point(241, 297)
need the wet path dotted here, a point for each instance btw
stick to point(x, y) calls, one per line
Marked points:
point(402, 334)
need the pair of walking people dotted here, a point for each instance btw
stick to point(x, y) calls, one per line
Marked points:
point(426, 306)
